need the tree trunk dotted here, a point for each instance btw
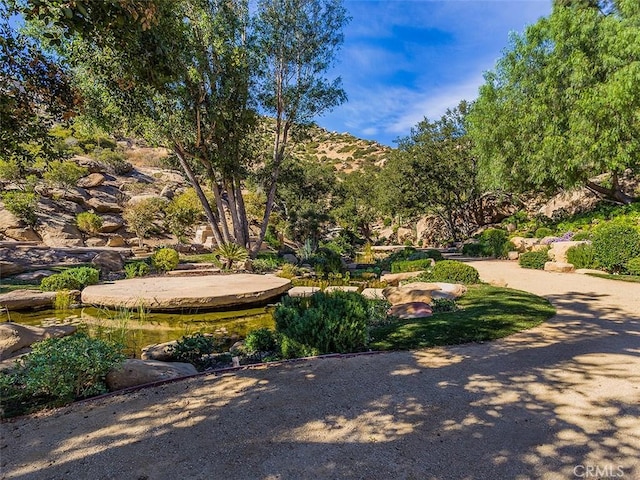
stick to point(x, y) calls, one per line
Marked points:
point(223, 219)
point(243, 214)
point(201, 196)
point(614, 194)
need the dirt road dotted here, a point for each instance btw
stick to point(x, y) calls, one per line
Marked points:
point(561, 401)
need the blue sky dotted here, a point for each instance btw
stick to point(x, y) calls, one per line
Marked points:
point(403, 60)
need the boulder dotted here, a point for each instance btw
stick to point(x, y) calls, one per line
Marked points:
point(92, 180)
point(96, 242)
point(26, 234)
point(103, 203)
point(135, 372)
point(290, 258)
point(340, 288)
point(116, 241)
point(75, 195)
point(203, 232)
point(524, 244)
point(395, 278)
point(404, 234)
point(406, 311)
point(400, 295)
point(449, 291)
point(14, 337)
point(558, 250)
point(302, 291)
point(93, 166)
point(34, 276)
point(111, 223)
point(8, 220)
point(168, 192)
point(373, 293)
point(158, 351)
point(513, 255)
point(7, 269)
point(559, 267)
point(108, 262)
point(61, 235)
point(26, 299)
point(587, 271)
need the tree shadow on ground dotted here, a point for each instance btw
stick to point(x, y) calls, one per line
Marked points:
point(538, 404)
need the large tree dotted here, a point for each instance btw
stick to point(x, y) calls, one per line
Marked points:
point(563, 104)
point(434, 171)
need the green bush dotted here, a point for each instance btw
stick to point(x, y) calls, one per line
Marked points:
point(260, 341)
point(323, 323)
point(581, 236)
point(22, 205)
point(136, 269)
point(182, 213)
point(411, 265)
point(71, 279)
point(165, 260)
point(582, 256)
point(615, 245)
point(57, 371)
point(451, 271)
point(89, 222)
point(325, 261)
point(444, 305)
point(633, 266)
point(535, 260)
point(191, 349)
point(543, 232)
point(409, 253)
point(64, 174)
point(495, 241)
point(475, 250)
point(115, 161)
point(231, 252)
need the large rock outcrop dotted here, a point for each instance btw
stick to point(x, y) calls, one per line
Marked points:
point(140, 372)
point(15, 337)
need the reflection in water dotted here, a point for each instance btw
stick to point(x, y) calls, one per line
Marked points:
point(137, 328)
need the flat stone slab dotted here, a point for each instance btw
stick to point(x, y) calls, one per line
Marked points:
point(177, 293)
point(303, 291)
point(340, 288)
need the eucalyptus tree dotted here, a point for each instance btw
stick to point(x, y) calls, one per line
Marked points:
point(298, 41)
point(563, 103)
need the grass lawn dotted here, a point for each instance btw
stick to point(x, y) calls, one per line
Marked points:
point(486, 313)
point(621, 278)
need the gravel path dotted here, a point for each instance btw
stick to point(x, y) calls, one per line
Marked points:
point(560, 401)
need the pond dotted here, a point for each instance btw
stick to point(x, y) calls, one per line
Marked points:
point(136, 328)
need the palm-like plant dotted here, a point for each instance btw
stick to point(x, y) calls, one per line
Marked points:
point(231, 252)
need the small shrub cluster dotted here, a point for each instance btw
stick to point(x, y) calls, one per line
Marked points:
point(71, 279)
point(288, 271)
point(325, 261)
point(409, 254)
point(260, 343)
point(22, 205)
point(543, 232)
point(165, 260)
point(444, 305)
point(496, 242)
point(64, 174)
point(633, 266)
point(410, 265)
point(451, 271)
point(136, 269)
point(323, 323)
point(534, 260)
point(58, 371)
point(614, 245)
point(475, 250)
point(193, 349)
point(89, 222)
point(582, 256)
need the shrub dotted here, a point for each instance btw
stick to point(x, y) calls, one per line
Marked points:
point(633, 266)
point(267, 264)
point(495, 240)
point(543, 232)
point(262, 340)
point(535, 260)
point(192, 348)
point(325, 261)
point(323, 323)
point(140, 217)
point(475, 250)
point(182, 212)
point(409, 253)
point(582, 256)
point(136, 269)
point(444, 305)
point(581, 236)
point(231, 252)
point(64, 174)
point(615, 245)
point(115, 161)
point(89, 222)
point(22, 205)
point(71, 279)
point(451, 271)
point(165, 260)
point(59, 370)
point(411, 265)
point(288, 271)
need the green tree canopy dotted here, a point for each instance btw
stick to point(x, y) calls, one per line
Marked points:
point(563, 104)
